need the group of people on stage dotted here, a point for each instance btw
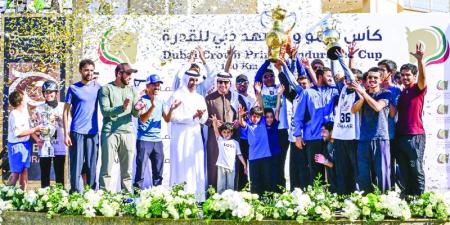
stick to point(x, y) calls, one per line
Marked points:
point(350, 127)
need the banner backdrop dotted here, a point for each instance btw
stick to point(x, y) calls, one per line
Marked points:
point(161, 44)
point(27, 66)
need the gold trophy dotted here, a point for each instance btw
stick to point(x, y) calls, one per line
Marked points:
point(330, 37)
point(278, 36)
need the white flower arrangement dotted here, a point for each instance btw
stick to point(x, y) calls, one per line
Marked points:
point(232, 205)
point(395, 207)
point(431, 205)
point(376, 207)
point(314, 203)
point(160, 202)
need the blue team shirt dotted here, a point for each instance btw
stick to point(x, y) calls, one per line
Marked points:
point(374, 125)
point(314, 109)
point(257, 139)
point(84, 99)
point(395, 93)
point(151, 129)
point(272, 134)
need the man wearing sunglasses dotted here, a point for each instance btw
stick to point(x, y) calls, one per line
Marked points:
point(224, 105)
point(266, 76)
point(117, 100)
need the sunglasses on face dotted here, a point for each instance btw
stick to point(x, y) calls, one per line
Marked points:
point(317, 67)
point(127, 73)
point(223, 82)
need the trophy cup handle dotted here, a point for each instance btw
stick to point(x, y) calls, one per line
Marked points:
point(320, 35)
point(292, 14)
point(262, 16)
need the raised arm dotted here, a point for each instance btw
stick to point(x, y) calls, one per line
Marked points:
point(230, 55)
point(183, 68)
point(258, 95)
point(215, 125)
point(351, 53)
point(292, 60)
point(278, 106)
point(312, 75)
point(242, 113)
point(347, 71)
point(291, 79)
point(201, 54)
point(421, 81)
point(261, 70)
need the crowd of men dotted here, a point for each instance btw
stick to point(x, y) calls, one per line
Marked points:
point(349, 129)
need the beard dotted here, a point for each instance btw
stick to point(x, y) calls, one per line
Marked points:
point(87, 77)
point(124, 81)
point(242, 90)
point(192, 87)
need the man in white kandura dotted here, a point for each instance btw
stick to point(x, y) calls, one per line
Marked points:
point(186, 144)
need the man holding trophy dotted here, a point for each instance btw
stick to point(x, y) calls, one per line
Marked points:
point(51, 139)
point(278, 41)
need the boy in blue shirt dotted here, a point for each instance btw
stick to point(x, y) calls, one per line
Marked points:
point(259, 150)
point(272, 122)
